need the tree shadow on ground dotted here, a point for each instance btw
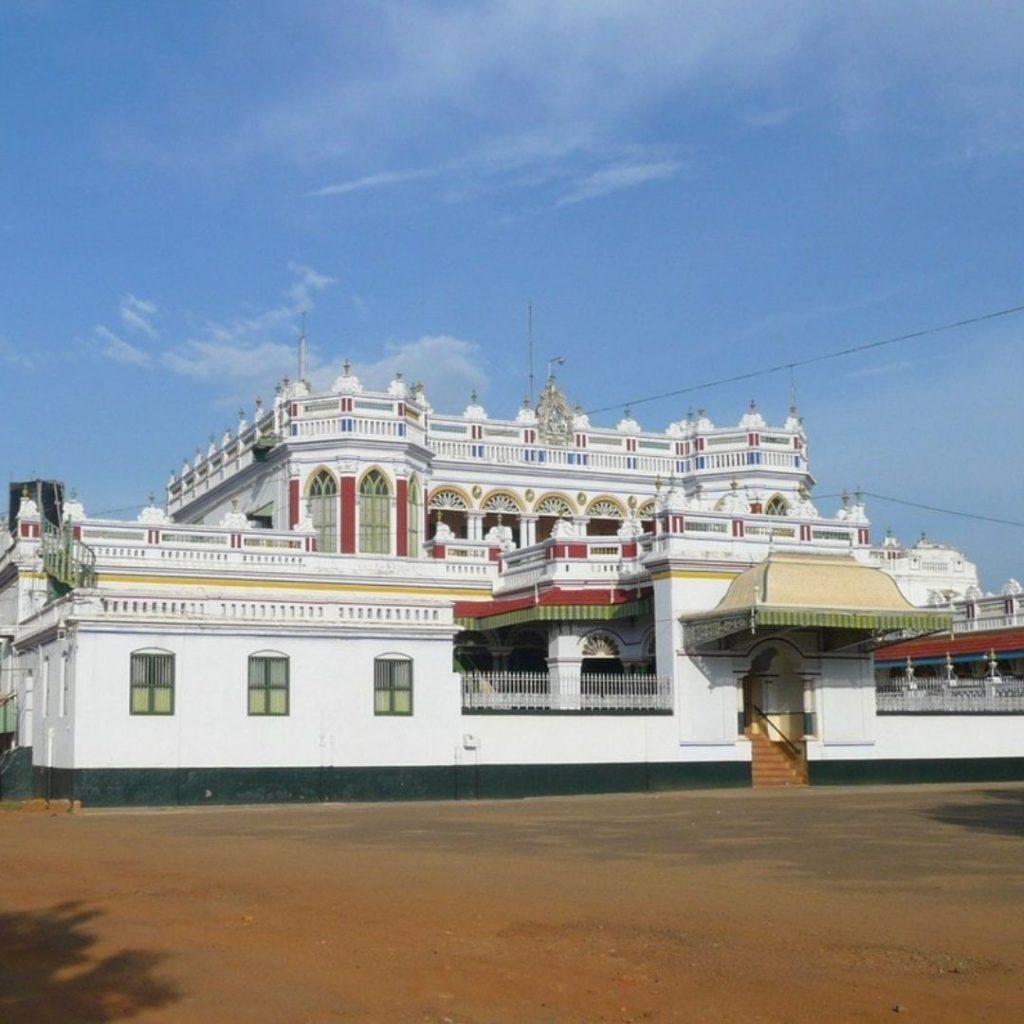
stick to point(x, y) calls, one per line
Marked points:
point(49, 972)
point(1002, 813)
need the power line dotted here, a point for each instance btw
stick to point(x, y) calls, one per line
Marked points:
point(864, 347)
point(944, 511)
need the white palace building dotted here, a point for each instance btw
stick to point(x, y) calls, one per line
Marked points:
point(355, 597)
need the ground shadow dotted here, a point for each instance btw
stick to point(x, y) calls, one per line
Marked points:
point(1002, 812)
point(48, 971)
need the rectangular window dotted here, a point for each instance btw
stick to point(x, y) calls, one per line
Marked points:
point(152, 684)
point(392, 686)
point(268, 685)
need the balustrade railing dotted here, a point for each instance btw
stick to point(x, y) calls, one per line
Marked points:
point(963, 695)
point(540, 691)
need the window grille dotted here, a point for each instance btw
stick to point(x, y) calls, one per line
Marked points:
point(374, 515)
point(392, 686)
point(323, 509)
point(152, 683)
point(268, 684)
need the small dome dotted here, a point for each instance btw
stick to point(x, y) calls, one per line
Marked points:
point(1011, 588)
point(474, 411)
point(703, 423)
point(628, 425)
point(752, 419)
point(348, 383)
point(526, 415)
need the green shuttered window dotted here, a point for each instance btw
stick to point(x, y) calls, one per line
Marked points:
point(392, 686)
point(374, 515)
point(152, 683)
point(268, 684)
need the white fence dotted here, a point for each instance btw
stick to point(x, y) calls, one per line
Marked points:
point(982, 695)
point(538, 691)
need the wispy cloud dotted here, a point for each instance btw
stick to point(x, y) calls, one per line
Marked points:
point(619, 177)
point(230, 352)
point(449, 368)
point(137, 315)
point(382, 179)
point(234, 361)
point(15, 357)
point(112, 346)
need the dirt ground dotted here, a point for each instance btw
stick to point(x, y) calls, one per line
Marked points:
point(811, 905)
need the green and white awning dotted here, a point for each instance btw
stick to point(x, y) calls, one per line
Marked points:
point(825, 592)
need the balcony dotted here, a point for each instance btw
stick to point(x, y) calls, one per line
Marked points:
point(541, 692)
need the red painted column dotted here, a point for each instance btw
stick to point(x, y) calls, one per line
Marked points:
point(293, 502)
point(402, 518)
point(348, 515)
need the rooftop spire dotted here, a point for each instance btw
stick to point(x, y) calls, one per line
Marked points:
point(302, 349)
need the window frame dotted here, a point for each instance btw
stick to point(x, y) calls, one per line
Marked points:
point(152, 681)
point(323, 504)
point(266, 687)
point(375, 497)
point(393, 678)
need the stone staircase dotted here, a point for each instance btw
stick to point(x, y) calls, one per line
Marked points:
point(773, 765)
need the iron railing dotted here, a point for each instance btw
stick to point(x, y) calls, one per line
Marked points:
point(975, 695)
point(540, 691)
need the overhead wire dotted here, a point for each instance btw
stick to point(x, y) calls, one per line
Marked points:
point(808, 361)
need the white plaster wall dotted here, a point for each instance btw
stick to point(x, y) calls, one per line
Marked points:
point(331, 719)
point(569, 739)
point(706, 702)
point(952, 736)
point(40, 712)
point(845, 706)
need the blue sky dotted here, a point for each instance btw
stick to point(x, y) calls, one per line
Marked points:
point(684, 191)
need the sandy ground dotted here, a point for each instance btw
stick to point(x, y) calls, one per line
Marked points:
point(813, 905)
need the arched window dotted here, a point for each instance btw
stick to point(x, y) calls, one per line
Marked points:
point(776, 506)
point(374, 514)
point(414, 518)
point(323, 508)
point(152, 683)
point(268, 683)
point(392, 685)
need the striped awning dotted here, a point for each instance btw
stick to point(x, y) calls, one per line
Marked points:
point(813, 592)
point(875, 621)
point(558, 613)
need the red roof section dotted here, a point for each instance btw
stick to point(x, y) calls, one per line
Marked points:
point(551, 596)
point(1003, 641)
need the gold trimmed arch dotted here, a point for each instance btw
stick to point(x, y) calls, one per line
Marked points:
point(607, 507)
point(319, 473)
point(454, 495)
point(548, 504)
point(322, 502)
point(601, 643)
point(491, 502)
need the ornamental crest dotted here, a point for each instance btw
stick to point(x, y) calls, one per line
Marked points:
point(554, 416)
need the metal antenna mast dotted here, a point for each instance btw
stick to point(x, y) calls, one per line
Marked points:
point(302, 349)
point(529, 336)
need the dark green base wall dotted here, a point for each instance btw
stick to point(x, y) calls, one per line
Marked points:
point(115, 787)
point(947, 769)
point(16, 774)
point(118, 787)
